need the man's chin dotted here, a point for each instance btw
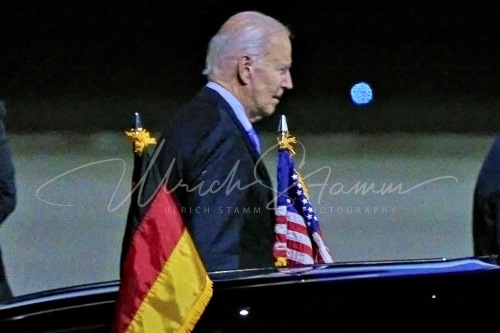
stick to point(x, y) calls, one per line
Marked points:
point(270, 111)
point(264, 113)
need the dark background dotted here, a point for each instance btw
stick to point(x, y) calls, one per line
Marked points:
point(88, 65)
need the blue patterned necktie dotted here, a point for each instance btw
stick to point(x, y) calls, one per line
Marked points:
point(255, 138)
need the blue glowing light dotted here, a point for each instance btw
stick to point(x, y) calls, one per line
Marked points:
point(361, 93)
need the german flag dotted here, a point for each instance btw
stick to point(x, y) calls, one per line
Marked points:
point(164, 286)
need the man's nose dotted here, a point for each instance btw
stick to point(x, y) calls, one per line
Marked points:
point(287, 82)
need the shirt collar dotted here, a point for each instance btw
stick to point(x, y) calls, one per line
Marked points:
point(237, 107)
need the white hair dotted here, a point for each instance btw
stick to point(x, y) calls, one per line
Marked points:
point(251, 35)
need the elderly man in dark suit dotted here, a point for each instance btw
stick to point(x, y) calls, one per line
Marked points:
point(7, 193)
point(210, 151)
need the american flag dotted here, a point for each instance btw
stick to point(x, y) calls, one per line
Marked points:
point(298, 238)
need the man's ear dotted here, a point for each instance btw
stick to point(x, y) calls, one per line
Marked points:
point(244, 69)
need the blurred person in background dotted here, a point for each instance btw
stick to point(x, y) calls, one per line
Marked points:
point(7, 193)
point(486, 205)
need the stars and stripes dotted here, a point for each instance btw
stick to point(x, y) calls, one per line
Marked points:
point(298, 239)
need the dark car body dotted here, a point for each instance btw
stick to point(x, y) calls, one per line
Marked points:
point(411, 296)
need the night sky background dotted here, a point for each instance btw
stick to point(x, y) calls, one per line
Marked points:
point(74, 65)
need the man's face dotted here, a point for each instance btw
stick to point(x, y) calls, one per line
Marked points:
point(270, 78)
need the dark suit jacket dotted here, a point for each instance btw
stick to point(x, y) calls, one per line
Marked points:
point(7, 184)
point(224, 191)
point(7, 195)
point(486, 204)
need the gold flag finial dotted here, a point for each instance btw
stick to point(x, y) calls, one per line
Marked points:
point(139, 136)
point(285, 141)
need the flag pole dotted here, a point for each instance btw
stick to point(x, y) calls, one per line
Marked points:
point(285, 141)
point(280, 242)
point(140, 140)
point(137, 123)
point(295, 209)
point(283, 127)
point(136, 128)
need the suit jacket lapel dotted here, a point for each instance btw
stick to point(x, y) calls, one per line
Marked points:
point(261, 168)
